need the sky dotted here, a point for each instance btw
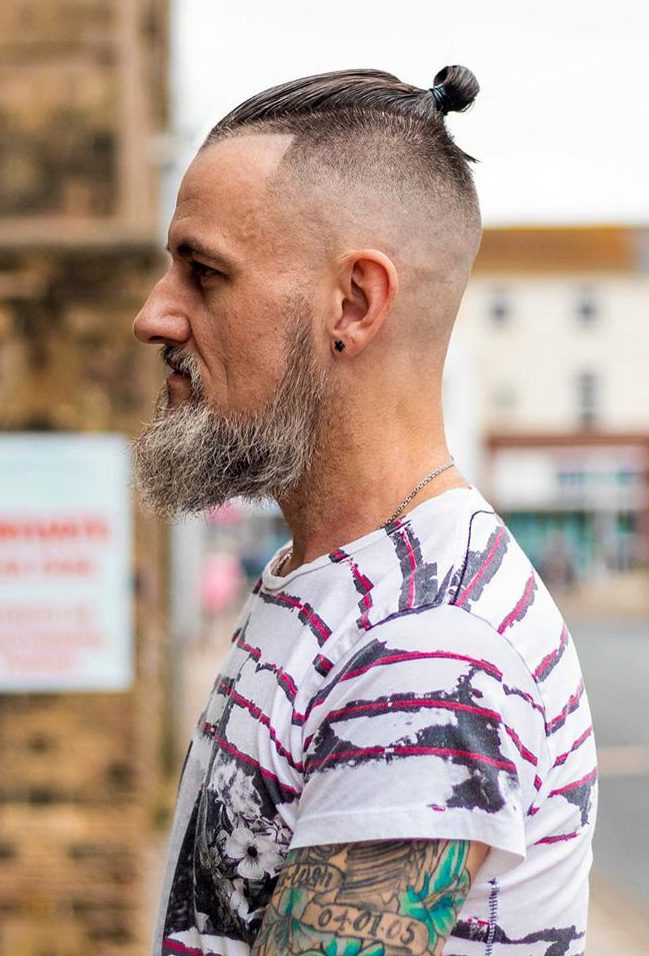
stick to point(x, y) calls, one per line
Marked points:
point(561, 123)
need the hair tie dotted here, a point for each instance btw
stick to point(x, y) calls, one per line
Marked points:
point(441, 98)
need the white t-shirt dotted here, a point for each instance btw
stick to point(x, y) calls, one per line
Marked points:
point(418, 682)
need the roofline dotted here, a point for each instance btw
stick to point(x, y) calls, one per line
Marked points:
point(569, 249)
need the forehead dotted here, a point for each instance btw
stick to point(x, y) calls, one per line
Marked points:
point(225, 190)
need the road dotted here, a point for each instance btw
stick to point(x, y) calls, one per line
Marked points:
point(614, 656)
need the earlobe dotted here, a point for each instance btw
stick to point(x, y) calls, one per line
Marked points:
point(370, 284)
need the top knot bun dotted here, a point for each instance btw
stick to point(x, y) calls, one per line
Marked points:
point(455, 89)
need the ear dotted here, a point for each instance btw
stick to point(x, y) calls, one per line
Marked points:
point(368, 283)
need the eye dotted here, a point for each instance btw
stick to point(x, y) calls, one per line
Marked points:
point(201, 271)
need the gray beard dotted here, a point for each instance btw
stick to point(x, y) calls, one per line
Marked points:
point(189, 458)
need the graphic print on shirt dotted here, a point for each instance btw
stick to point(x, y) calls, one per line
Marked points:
point(251, 750)
point(555, 941)
point(235, 840)
point(469, 737)
point(362, 584)
point(420, 585)
point(481, 565)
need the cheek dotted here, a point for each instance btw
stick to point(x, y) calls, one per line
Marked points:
point(253, 351)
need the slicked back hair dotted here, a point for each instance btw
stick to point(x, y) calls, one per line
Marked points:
point(368, 124)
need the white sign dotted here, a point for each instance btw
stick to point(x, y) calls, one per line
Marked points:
point(65, 544)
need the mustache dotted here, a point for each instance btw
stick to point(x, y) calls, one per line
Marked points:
point(183, 363)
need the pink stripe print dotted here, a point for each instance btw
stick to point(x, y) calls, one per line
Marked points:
point(307, 742)
point(230, 748)
point(413, 565)
point(409, 751)
point(571, 706)
point(362, 581)
point(558, 838)
point(561, 759)
point(365, 604)
point(178, 947)
point(254, 652)
point(405, 656)
point(549, 661)
point(306, 612)
point(462, 598)
point(322, 664)
point(414, 703)
point(364, 587)
point(524, 601)
point(425, 655)
point(522, 749)
point(575, 784)
point(263, 718)
point(279, 672)
point(517, 692)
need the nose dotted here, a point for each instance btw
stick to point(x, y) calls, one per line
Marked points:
point(162, 318)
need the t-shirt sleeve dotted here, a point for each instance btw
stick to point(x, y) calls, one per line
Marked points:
point(430, 728)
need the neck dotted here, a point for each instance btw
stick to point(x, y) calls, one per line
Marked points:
point(358, 480)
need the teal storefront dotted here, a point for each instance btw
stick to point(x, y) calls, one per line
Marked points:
point(584, 540)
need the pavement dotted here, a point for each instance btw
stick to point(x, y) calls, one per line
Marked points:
point(615, 928)
point(613, 648)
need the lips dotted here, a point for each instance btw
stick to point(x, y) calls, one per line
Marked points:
point(177, 371)
point(173, 359)
point(179, 386)
point(183, 373)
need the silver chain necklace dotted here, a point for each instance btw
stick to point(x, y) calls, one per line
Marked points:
point(424, 481)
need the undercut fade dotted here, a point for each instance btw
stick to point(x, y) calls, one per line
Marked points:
point(366, 125)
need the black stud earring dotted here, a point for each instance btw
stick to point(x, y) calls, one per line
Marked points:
point(338, 345)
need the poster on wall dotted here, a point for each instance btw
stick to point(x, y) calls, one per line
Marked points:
point(65, 552)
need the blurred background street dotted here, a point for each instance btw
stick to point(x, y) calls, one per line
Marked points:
point(615, 659)
point(113, 625)
point(614, 653)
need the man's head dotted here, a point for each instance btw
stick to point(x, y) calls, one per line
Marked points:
point(331, 209)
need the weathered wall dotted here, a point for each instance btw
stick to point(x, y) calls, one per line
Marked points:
point(82, 95)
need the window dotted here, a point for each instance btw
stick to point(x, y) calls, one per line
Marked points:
point(587, 398)
point(504, 396)
point(586, 308)
point(499, 309)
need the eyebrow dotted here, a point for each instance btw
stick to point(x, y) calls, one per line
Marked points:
point(192, 248)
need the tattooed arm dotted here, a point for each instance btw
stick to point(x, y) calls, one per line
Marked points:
point(392, 898)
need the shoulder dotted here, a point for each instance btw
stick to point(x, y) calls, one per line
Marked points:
point(500, 585)
point(442, 655)
point(454, 639)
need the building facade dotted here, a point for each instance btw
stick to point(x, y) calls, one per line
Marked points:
point(82, 96)
point(558, 323)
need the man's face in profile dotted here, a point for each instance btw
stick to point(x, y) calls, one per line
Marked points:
point(234, 316)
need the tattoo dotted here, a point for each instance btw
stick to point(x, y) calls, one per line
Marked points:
point(393, 898)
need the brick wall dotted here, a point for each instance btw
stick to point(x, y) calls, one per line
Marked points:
point(82, 93)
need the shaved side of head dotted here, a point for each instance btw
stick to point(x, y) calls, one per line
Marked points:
point(367, 191)
point(371, 164)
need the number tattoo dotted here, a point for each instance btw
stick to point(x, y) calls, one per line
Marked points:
point(393, 898)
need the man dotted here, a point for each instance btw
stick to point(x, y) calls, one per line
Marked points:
point(397, 757)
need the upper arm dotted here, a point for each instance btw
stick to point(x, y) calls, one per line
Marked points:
point(382, 898)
